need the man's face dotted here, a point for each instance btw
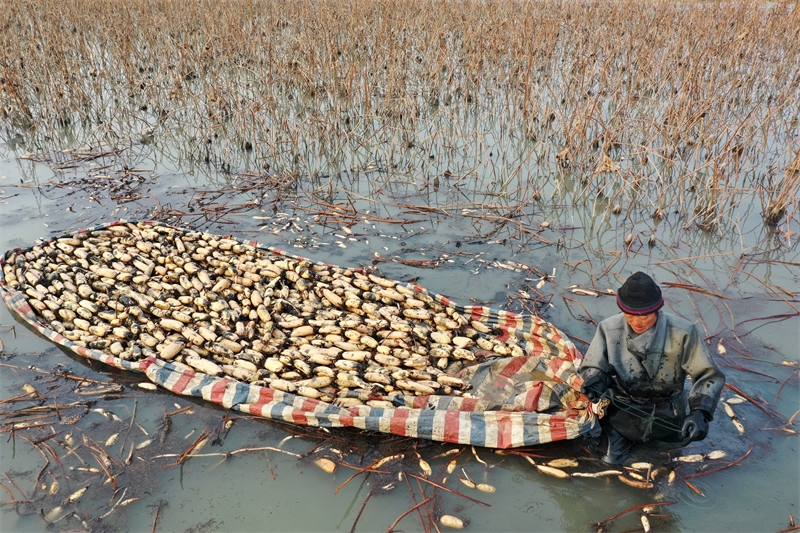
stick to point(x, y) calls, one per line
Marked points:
point(641, 323)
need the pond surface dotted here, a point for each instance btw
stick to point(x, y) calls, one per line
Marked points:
point(739, 285)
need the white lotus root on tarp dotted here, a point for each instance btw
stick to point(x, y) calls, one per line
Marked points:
point(278, 336)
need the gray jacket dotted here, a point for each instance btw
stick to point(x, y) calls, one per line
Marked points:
point(653, 365)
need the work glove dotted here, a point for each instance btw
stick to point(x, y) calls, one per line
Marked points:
point(695, 427)
point(595, 384)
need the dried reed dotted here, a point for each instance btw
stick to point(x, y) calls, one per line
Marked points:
point(655, 105)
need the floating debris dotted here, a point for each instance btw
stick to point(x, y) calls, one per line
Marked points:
point(111, 440)
point(325, 464)
point(467, 482)
point(51, 516)
point(549, 470)
point(636, 476)
point(451, 466)
point(639, 484)
point(451, 521)
point(108, 414)
point(602, 473)
point(485, 487)
point(144, 444)
point(75, 496)
point(584, 292)
point(562, 463)
point(728, 410)
point(91, 470)
point(693, 458)
point(734, 419)
point(425, 467)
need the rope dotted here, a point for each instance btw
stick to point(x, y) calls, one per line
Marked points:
point(649, 417)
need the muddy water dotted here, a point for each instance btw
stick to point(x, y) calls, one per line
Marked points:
point(268, 490)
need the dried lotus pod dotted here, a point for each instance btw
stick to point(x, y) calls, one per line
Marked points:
point(356, 355)
point(203, 365)
point(190, 296)
point(247, 365)
point(463, 342)
point(283, 385)
point(376, 377)
point(480, 327)
point(309, 392)
point(485, 343)
point(318, 382)
point(460, 353)
point(441, 337)
point(240, 373)
point(387, 360)
point(416, 361)
point(415, 387)
point(451, 381)
point(273, 364)
point(346, 364)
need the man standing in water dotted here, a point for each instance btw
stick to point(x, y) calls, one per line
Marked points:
point(639, 359)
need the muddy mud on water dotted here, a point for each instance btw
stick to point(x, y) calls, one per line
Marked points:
point(248, 477)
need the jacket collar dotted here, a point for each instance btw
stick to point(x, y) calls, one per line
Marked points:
point(648, 346)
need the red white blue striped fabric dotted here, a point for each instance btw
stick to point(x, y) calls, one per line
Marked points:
point(518, 401)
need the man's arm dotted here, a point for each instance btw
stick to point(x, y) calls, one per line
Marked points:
point(707, 379)
point(595, 369)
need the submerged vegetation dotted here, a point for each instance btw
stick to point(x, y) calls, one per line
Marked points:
point(521, 155)
point(644, 108)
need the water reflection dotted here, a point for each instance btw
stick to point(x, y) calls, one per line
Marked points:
point(751, 266)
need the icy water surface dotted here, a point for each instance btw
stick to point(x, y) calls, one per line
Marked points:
point(739, 277)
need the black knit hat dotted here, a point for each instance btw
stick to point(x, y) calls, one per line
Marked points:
point(639, 295)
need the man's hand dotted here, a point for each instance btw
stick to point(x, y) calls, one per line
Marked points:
point(695, 427)
point(595, 385)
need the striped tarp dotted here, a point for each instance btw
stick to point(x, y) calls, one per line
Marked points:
point(518, 401)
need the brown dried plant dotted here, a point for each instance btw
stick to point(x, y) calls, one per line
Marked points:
point(494, 90)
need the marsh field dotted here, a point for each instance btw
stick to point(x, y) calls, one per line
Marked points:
point(527, 156)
